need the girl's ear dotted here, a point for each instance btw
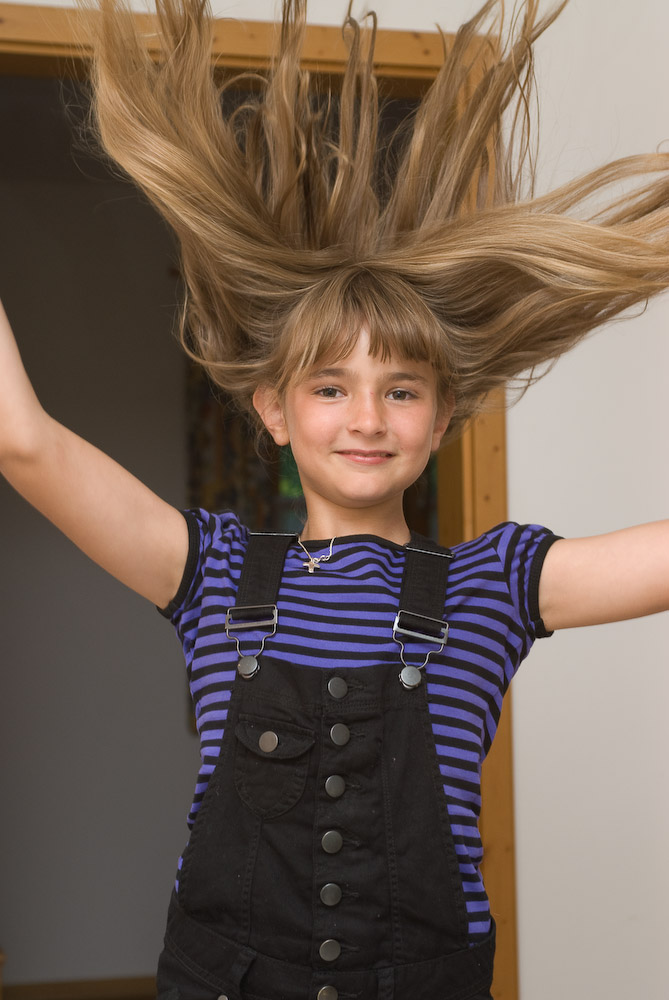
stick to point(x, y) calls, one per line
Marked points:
point(444, 414)
point(268, 406)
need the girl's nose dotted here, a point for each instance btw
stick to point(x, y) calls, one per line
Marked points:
point(367, 415)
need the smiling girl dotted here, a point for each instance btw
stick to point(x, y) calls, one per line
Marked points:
point(362, 432)
point(347, 682)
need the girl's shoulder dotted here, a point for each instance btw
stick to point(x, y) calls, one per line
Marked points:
point(507, 559)
point(214, 526)
point(217, 540)
point(506, 540)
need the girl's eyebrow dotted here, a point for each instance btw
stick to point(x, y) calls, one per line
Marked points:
point(328, 373)
point(408, 377)
point(390, 377)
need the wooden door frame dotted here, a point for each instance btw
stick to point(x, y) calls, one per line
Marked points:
point(41, 40)
point(48, 41)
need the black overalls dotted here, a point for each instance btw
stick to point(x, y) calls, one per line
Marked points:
point(321, 865)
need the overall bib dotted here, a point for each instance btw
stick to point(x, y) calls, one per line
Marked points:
point(321, 865)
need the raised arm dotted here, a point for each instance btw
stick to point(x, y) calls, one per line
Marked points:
point(104, 510)
point(606, 578)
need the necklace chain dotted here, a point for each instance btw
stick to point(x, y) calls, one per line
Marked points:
point(313, 561)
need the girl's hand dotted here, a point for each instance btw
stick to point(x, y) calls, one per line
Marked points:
point(607, 578)
point(105, 511)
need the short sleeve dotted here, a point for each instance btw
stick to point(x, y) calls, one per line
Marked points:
point(210, 540)
point(522, 549)
point(192, 561)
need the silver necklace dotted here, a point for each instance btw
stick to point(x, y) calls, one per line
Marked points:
point(313, 561)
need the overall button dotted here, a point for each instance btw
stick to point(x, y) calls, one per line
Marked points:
point(330, 950)
point(330, 894)
point(247, 667)
point(327, 993)
point(340, 734)
point(335, 786)
point(332, 842)
point(337, 687)
point(223, 996)
point(411, 678)
point(268, 741)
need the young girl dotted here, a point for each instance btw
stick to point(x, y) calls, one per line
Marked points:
point(347, 682)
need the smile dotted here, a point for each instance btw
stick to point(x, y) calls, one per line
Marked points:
point(366, 457)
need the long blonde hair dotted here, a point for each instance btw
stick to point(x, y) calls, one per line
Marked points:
point(289, 243)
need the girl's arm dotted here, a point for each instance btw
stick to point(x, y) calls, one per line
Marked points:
point(589, 581)
point(105, 511)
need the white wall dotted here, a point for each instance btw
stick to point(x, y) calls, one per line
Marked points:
point(420, 16)
point(588, 453)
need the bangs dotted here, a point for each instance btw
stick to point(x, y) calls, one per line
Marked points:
point(324, 327)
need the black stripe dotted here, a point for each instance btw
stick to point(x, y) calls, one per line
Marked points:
point(533, 586)
point(192, 560)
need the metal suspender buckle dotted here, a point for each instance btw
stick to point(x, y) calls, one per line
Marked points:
point(254, 616)
point(406, 623)
point(411, 626)
point(240, 619)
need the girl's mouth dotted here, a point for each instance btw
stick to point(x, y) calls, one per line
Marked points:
point(366, 457)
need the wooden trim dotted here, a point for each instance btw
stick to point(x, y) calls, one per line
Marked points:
point(472, 498)
point(472, 476)
point(56, 35)
point(86, 989)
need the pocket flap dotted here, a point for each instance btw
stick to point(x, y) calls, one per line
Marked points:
point(269, 738)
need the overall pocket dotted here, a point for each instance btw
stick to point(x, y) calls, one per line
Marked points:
point(271, 763)
point(198, 964)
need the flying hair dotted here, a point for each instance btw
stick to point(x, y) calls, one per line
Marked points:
point(290, 242)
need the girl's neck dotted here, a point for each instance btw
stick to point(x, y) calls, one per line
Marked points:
point(323, 525)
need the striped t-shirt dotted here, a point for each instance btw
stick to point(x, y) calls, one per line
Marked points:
point(344, 613)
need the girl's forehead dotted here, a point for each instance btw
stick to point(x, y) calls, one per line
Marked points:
point(368, 363)
point(361, 350)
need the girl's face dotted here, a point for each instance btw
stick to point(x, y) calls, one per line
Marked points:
point(361, 431)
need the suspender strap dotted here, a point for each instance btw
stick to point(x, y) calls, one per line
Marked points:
point(424, 587)
point(424, 581)
point(261, 573)
point(257, 595)
point(422, 595)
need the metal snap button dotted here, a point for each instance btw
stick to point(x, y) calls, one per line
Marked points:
point(327, 993)
point(330, 950)
point(340, 734)
point(332, 842)
point(411, 677)
point(335, 786)
point(223, 996)
point(337, 687)
point(247, 667)
point(268, 741)
point(330, 894)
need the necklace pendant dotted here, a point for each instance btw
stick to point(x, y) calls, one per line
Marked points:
point(313, 561)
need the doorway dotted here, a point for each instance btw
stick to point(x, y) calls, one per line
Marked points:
point(39, 47)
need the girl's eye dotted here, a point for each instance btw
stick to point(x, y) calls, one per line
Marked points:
point(327, 391)
point(400, 395)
